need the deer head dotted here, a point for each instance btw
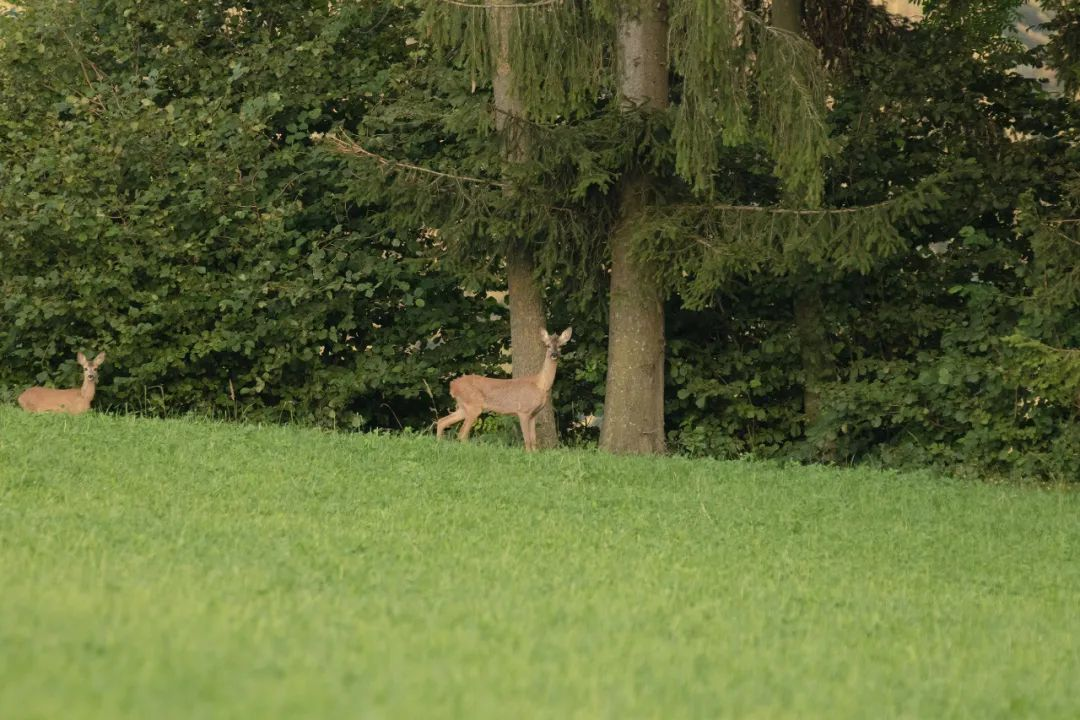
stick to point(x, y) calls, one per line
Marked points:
point(554, 343)
point(90, 368)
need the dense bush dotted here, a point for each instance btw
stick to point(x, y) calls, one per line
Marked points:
point(162, 200)
point(923, 372)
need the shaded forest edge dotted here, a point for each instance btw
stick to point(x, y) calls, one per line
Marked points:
point(168, 197)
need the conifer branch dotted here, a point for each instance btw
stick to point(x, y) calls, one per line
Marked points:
point(538, 3)
point(351, 147)
point(773, 210)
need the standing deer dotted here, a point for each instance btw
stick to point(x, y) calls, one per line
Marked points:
point(73, 401)
point(523, 396)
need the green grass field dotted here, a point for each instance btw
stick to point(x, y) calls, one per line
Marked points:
point(161, 569)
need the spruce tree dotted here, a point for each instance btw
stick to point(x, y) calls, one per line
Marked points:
point(593, 78)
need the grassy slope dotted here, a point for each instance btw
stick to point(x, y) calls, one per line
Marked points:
point(183, 569)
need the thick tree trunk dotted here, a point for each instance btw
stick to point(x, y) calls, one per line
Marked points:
point(634, 394)
point(526, 304)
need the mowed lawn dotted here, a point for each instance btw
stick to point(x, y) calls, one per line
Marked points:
point(167, 569)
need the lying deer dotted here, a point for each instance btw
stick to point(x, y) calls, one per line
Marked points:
point(523, 396)
point(73, 401)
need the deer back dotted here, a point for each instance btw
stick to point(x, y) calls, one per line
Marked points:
point(39, 399)
point(509, 396)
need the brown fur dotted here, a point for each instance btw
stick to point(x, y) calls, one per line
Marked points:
point(524, 396)
point(73, 401)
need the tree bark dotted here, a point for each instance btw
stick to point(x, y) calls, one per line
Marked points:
point(526, 321)
point(634, 393)
point(787, 15)
point(526, 303)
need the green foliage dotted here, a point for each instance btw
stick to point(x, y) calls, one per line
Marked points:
point(714, 108)
point(741, 79)
point(440, 175)
point(166, 198)
point(558, 52)
point(699, 248)
point(1062, 50)
point(791, 113)
point(292, 573)
point(923, 374)
point(944, 388)
point(980, 23)
point(163, 200)
point(737, 79)
point(733, 375)
point(1053, 373)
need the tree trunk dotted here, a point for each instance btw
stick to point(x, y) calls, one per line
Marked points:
point(817, 360)
point(526, 303)
point(634, 394)
point(526, 321)
point(787, 15)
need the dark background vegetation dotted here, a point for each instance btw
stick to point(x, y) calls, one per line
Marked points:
point(166, 197)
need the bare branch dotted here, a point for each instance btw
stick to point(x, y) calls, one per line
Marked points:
point(538, 3)
point(772, 210)
point(83, 62)
point(351, 147)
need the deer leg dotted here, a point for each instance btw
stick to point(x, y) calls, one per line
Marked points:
point(527, 429)
point(532, 431)
point(466, 427)
point(443, 423)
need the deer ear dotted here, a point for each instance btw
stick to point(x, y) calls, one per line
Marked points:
point(565, 336)
point(544, 336)
point(99, 359)
point(82, 359)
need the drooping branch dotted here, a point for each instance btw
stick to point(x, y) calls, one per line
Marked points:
point(699, 248)
point(559, 50)
point(790, 118)
point(707, 51)
point(743, 80)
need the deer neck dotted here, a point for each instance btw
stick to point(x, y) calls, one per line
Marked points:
point(88, 388)
point(546, 377)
